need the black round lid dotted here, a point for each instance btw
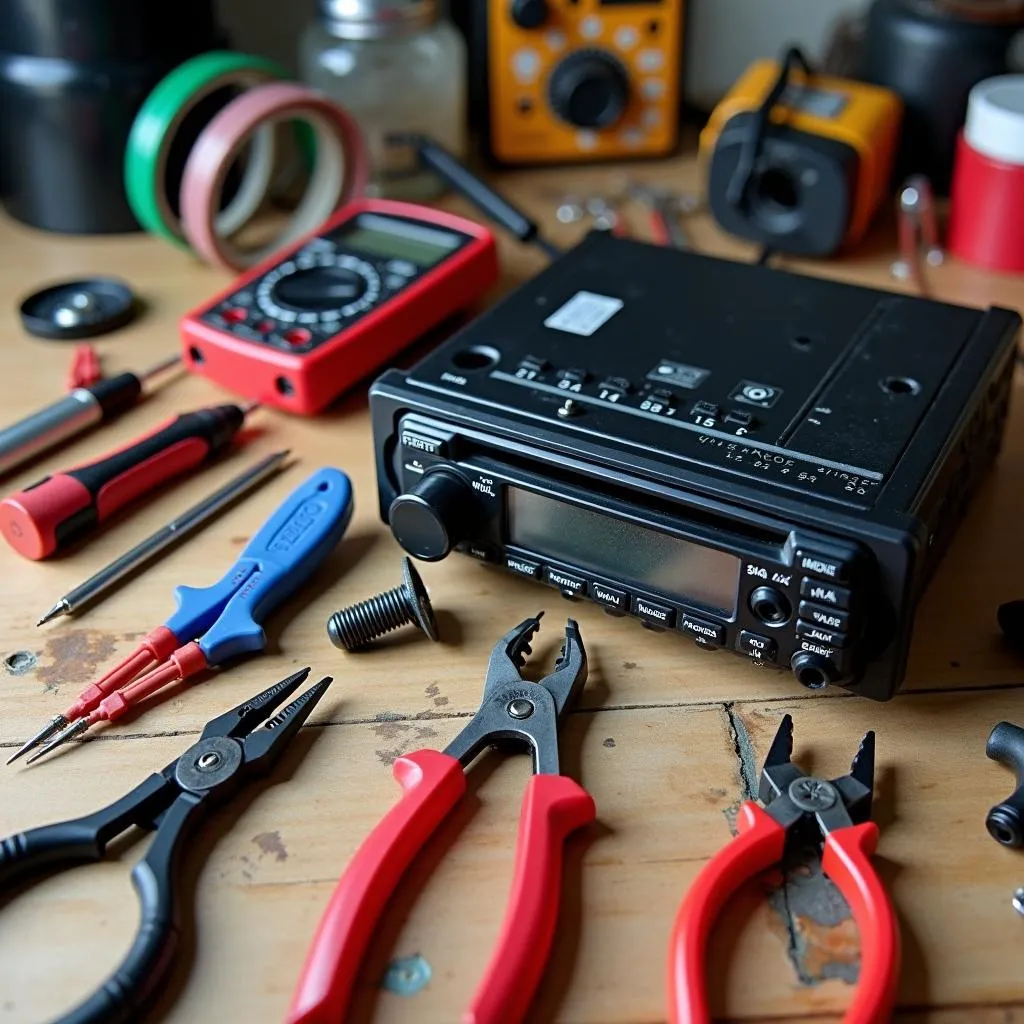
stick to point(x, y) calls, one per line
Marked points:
point(79, 309)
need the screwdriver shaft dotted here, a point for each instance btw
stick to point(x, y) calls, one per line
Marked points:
point(177, 530)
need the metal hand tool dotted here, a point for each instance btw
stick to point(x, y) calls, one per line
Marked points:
point(216, 623)
point(232, 751)
point(73, 414)
point(63, 508)
point(554, 806)
point(918, 230)
point(841, 810)
point(666, 209)
point(165, 538)
point(1005, 821)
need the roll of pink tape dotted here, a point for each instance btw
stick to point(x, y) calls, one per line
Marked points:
point(339, 173)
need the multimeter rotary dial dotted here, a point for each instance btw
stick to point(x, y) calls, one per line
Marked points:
point(321, 288)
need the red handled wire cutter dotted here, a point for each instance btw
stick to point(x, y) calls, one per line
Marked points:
point(841, 809)
point(554, 806)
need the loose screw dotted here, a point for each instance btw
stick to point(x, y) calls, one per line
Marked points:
point(357, 625)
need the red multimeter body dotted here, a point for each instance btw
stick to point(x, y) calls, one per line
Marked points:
point(303, 327)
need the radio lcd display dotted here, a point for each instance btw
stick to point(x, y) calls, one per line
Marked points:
point(624, 550)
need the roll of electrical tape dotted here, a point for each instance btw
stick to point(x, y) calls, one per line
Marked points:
point(160, 118)
point(339, 171)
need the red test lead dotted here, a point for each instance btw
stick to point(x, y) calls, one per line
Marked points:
point(61, 509)
point(433, 781)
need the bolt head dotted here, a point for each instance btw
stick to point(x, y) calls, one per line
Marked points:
point(419, 599)
point(519, 708)
point(813, 794)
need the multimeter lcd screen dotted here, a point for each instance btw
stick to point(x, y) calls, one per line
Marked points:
point(623, 550)
point(400, 240)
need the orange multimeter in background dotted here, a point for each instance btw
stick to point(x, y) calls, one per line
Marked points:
point(798, 161)
point(571, 80)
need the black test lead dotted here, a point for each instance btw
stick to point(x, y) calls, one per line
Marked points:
point(73, 414)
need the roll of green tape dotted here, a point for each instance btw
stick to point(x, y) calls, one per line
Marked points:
point(159, 119)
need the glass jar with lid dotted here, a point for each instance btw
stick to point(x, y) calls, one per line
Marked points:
point(395, 65)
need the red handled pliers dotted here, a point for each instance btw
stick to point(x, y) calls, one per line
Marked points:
point(841, 810)
point(554, 806)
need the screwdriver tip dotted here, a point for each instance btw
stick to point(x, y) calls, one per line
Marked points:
point(54, 725)
point(60, 608)
point(250, 407)
point(73, 730)
point(164, 364)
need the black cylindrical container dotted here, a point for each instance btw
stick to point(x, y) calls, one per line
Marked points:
point(73, 74)
point(932, 52)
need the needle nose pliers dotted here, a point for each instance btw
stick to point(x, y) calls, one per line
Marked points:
point(840, 809)
point(433, 781)
point(231, 751)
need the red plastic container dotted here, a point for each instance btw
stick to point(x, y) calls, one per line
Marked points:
point(986, 225)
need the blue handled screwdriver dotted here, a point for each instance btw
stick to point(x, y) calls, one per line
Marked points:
point(219, 622)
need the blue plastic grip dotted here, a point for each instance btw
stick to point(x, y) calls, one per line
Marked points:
point(227, 617)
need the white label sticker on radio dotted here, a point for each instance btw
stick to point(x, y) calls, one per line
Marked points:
point(584, 313)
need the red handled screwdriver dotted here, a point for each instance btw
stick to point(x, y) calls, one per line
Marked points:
point(63, 508)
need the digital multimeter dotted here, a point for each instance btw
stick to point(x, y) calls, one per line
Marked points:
point(303, 327)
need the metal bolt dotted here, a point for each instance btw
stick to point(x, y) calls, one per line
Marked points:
point(355, 626)
point(812, 794)
point(208, 761)
point(1018, 901)
point(520, 708)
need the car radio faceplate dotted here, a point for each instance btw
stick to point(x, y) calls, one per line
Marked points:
point(763, 461)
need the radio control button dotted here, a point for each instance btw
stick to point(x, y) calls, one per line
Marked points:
point(709, 634)
point(522, 566)
point(529, 13)
point(610, 597)
point(771, 606)
point(431, 518)
point(573, 376)
point(819, 634)
point(567, 583)
point(823, 566)
point(706, 410)
point(739, 418)
point(424, 443)
point(813, 670)
point(826, 618)
point(760, 648)
point(616, 385)
point(825, 593)
point(653, 614)
point(650, 60)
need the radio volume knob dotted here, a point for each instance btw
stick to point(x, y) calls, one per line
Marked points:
point(434, 516)
point(589, 89)
point(529, 13)
point(812, 670)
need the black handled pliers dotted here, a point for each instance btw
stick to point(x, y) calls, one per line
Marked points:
point(230, 752)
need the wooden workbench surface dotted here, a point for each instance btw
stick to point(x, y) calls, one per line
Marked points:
point(667, 738)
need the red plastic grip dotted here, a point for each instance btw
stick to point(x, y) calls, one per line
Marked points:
point(758, 846)
point(553, 808)
point(847, 861)
point(432, 784)
point(30, 519)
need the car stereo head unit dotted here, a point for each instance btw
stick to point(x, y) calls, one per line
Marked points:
point(763, 462)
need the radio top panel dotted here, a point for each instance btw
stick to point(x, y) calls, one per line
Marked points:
point(789, 382)
point(768, 463)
